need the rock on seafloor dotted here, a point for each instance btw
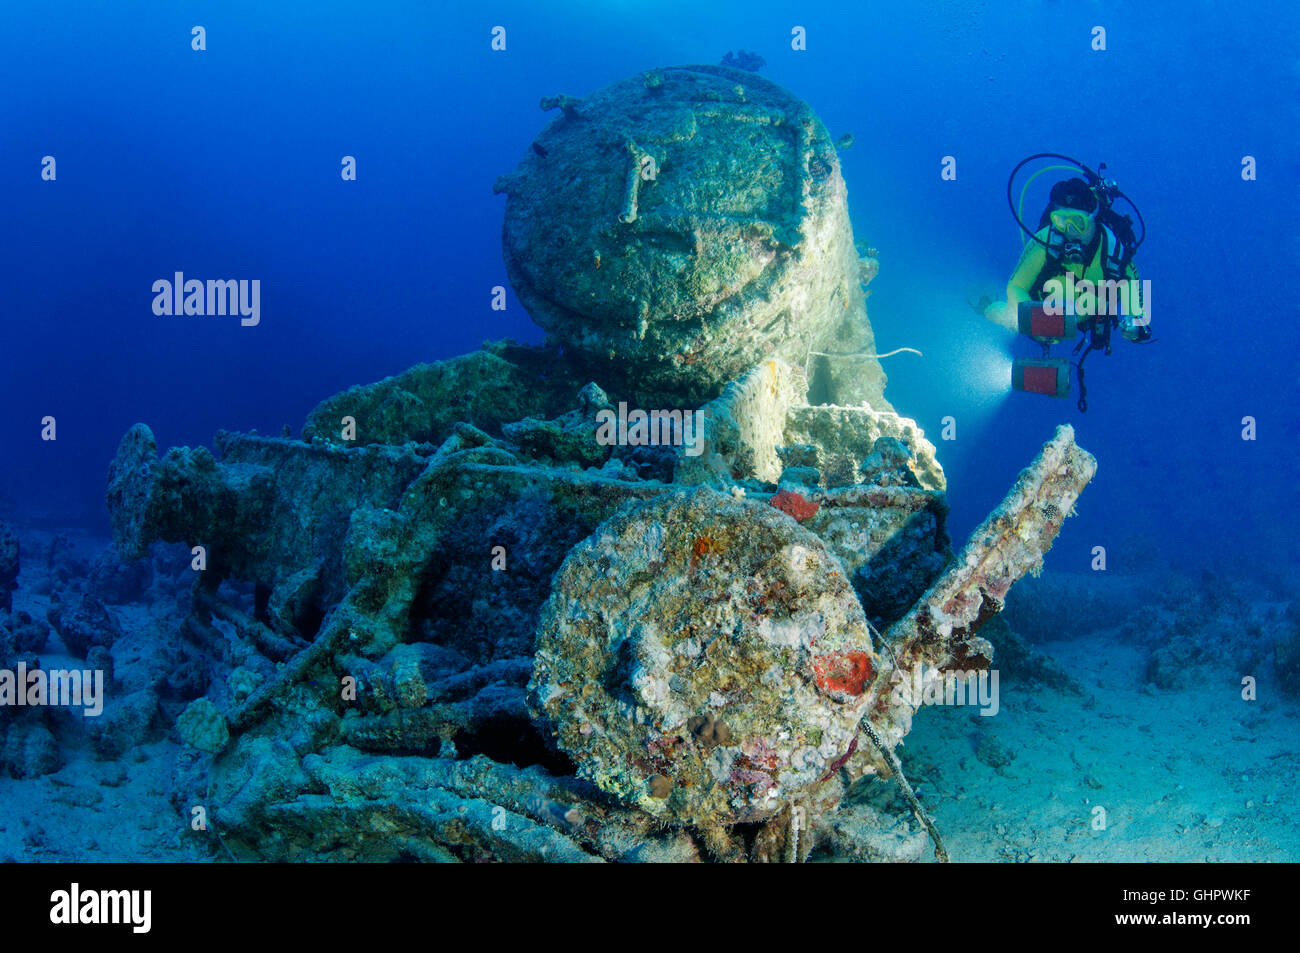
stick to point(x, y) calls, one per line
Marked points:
point(9, 565)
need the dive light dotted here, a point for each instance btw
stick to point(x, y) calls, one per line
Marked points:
point(1046, 375)
point(1034, 320)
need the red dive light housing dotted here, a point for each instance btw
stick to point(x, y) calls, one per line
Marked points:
point(1046, 375)
point(1034, 321)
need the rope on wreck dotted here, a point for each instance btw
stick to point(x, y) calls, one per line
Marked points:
point(939, 850)
point(807, 361)
point(897, 350)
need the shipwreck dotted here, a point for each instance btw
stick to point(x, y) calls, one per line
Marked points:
point(454, 620)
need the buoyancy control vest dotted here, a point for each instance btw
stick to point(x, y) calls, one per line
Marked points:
point(1115, 257)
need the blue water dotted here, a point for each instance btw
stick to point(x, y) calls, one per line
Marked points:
point(225, 163)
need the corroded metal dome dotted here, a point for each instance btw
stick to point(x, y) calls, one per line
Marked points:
point(676, 228)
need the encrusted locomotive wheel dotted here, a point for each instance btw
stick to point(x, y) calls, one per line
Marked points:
point(703, 657)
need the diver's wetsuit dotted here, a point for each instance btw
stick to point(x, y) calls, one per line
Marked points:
point(1035, 269)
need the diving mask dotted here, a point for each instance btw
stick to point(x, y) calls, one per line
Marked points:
point(1074, 222)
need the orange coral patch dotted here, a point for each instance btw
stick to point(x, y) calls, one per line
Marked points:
point(843, 673)
point(794, 505)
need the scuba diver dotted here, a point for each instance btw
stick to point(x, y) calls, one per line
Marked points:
point(1076, 275)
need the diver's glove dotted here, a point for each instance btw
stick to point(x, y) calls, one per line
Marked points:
point(999, 312)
